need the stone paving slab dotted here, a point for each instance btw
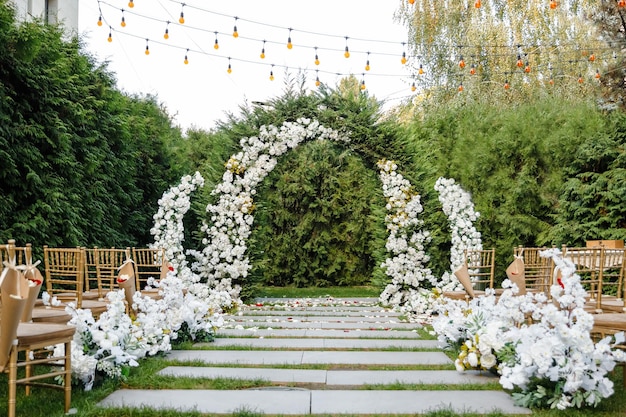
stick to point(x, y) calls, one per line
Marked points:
point(295, 357)
point(325, 325)
point(300, 402)
point(322, 343)
point(319, 313)
point(325, 309)
point(332, 377)
point(411, 402)
point(311, 319)
point(373, 301)
point(319, 333)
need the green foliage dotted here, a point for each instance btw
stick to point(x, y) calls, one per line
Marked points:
point(82, 164)
point(316, 224)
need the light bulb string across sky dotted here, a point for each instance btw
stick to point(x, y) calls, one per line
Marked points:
point(464, 50)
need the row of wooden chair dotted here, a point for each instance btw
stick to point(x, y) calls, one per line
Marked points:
point(24, 343)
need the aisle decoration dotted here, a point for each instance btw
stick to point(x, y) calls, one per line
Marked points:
point(458, 207)
point(541, 348)
point(406, 243)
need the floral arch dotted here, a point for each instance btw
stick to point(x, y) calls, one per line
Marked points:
point(224, 257)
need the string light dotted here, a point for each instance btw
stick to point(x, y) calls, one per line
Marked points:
point(420, 71)
point(461, 62)
point(186, 61)
point(460, 88)
point(166, 35)
point(216, 45)
point(230, 69)
point(473, 70)
point(263, 50)
point(131, 4)
point(363, 83)
point(147, 48)
point(110, 38)
point(597, 74)
point(181, 19)
point(580, 79)
point(527, 68)
point(592, 57)
point(100, 21)
point(520, 63)
point(317, 58)
point(507, 85)
point(347, 52)
point(123, 22)
point(413, 87)
point(289, 44)
point(477, 4)
point(411, 1)
point(367, 63)
point(553, 4)
point(403, 60)
point(235, 33)
point(272, 74)
point(621, 3)
point(317, 79)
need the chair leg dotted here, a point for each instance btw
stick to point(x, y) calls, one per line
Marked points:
point(28, 369)
point(12, 380)
point(68, 376)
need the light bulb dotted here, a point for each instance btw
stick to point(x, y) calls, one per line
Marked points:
point(507, 85)
point(551, 82)
point(186, 60)
point(216, 45)
point(413, 87)
point(403, 60)
point(166, 35)
point(131, 4)
point(317, 60)
point(123, 23)
point(363, 85)
point(289, 44)
point(553, 4)
point(181, 20)
point(317, 82)
point(147, 50)
point(421, 70)
point(621, 3)
point(597, 75)
point(100, 21)
point(473, 70)
point(461, 63)
point(229, 70)
point(520, 63)
point(460, 87)
point(367, 65)
point(110, 38)
point(262, 53)
point(411, 1)
point(580, 79)
point(592, 57)
point(235, 33)
point(347, 53)
point(477, 4)
point(527, 68)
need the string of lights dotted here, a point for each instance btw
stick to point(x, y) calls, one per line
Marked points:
point(569, 59)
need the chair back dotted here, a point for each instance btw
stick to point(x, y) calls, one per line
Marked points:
point(64, 272)
point(612, 271)
point(148, 263)
point(587, 263)
point(481, 266)
point(108, 262)
point(90, 273)
point(538, 270)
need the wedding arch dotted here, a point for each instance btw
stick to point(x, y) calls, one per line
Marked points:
point(224, 259)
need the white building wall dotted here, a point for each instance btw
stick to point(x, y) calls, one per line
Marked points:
point(50, 11)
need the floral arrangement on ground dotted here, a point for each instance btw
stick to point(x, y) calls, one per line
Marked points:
point(540, 346)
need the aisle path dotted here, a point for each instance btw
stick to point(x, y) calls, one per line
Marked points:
point(316, 356)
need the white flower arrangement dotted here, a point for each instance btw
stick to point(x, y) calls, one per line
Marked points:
point(458, 207)
point(223, 259)
point(406, 242)
point(541, 348)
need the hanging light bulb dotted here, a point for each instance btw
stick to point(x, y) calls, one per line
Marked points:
point(110, 38)
point(363, 85)
point(621, 3)
point(413, 87)
point(411, 1)
point(271, 75)
point(235, 33)
point(473, 70)
point(289, 44)
point(520, 63)
point(263, 50)
point(317, 58)
point(580, 79)
point(166, 35)
point(597, 74)
point(317, 82)
point(592, 57)
point(420, 71)
point(181, 19)
point(131, 4)
point(367, 63)
point(527, 68)
point(551, 82)
point(461, 62)
point(186, 61)
point(553, 4)
point(216, 45)
point(403, 60)
point(147, 48)
point(477, 4)
point(123, 22)
point(460, 88)
point(347, 51)
point(229, 70)
point(507, 85)
point(100, 21)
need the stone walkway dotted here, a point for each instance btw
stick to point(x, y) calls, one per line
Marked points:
point(352, 344)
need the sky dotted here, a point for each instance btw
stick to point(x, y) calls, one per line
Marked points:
point(200, 93)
